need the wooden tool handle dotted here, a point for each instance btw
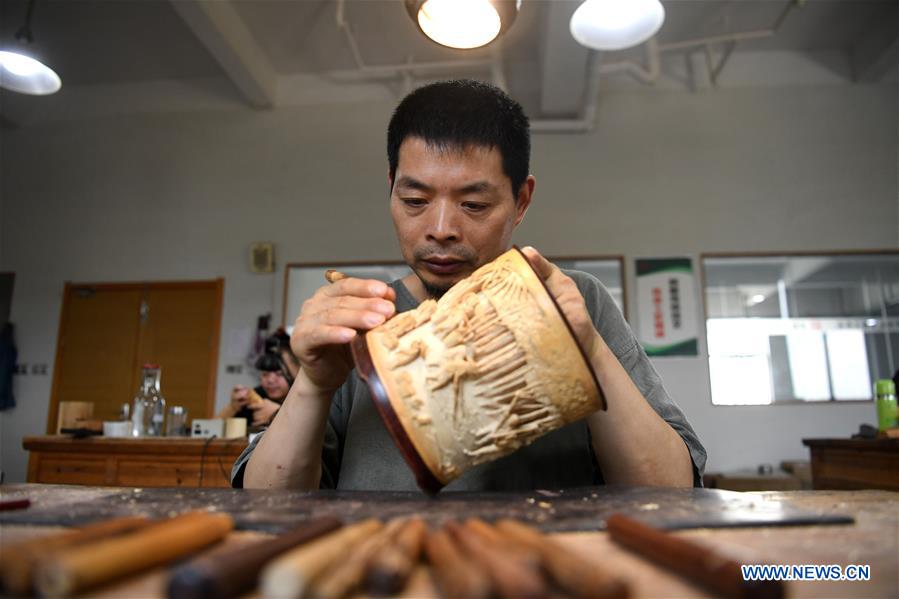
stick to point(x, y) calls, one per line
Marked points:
point(332, 276)
point(18, 560)
point(523, 554)
point(511, 577)
point(14, 504)
point(577, 576)
point(347, 575)
point(701, 565)
point(291, 574)
point(456, 574)
point(392, 566)
point(80, 568)
point(235, 571)
point(524, 558)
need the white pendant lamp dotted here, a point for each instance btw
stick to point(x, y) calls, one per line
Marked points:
point(23, 74)
point(20, 72)
point(463, 24)
point(616, 24)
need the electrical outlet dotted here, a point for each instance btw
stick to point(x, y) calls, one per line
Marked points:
point(39, 369)
point(234, 369)
point(21, 369)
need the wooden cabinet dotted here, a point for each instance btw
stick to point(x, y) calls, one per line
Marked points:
point(163, 462)
point(854, 463)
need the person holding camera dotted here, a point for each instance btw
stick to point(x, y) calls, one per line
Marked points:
point(277, 368)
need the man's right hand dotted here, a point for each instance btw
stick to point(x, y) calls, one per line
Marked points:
point(329, 320)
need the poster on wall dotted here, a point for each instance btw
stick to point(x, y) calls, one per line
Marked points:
point(666, 307)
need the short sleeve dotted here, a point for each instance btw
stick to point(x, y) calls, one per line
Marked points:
point(335, 433)
point(240, 464)
point(610, 323)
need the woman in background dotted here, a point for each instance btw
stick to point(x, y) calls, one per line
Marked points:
point(277, 368)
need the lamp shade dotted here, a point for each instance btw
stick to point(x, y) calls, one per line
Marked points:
point(463, 24)
point(616, 24)
point(23, 74)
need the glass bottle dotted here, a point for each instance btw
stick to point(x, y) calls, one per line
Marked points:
point(885, 400)
point(148, 414)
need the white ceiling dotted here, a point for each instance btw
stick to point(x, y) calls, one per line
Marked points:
point(257, 43)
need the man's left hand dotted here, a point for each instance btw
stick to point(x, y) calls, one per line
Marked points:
point(566, 294)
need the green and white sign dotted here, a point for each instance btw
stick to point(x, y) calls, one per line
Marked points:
point(666, 307)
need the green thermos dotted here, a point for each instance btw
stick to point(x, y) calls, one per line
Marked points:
point(885, 399)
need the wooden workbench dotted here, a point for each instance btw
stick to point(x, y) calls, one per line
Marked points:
point(871, 538)
point(854, 463)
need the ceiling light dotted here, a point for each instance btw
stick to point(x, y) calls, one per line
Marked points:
point(463, 24)
point(22, 73)
point(616, 24)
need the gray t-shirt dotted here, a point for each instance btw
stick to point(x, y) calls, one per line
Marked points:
point(359, 452)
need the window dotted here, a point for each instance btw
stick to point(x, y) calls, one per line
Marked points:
point(608, 269)
point(800, 328)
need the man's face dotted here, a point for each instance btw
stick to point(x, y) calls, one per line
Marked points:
point(454, 210)
point(275, 385)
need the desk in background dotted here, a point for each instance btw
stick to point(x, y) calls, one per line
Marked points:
point(854, 463)
point(156, 462)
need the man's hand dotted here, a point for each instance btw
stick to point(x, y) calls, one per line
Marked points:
point(328, 322)
point(566, 294)
point(631, 442)
point(264, 412)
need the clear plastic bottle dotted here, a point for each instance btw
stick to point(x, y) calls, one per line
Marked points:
point(148, 414)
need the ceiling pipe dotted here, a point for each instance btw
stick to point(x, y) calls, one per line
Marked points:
point(588, 117)
point(651, 72)
point(740, 36)
point(647, 73)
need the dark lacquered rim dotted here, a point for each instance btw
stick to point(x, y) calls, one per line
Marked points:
point(602, 396)
point(426, 480)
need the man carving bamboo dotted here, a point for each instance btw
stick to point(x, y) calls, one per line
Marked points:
point(458, 155)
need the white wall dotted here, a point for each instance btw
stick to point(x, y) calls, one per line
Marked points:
point(119, 196)
point(803, 168)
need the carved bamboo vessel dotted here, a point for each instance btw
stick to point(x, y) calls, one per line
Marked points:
point(483, 371)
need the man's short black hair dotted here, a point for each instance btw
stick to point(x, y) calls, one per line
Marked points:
point(455, 114)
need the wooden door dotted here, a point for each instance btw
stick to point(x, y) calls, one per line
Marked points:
point(108, 331)
point(179, 332)
point(96, 349)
